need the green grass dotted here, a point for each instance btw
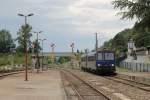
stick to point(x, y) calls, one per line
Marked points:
point(18, 58)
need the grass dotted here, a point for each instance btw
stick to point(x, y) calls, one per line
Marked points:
point(16, 59)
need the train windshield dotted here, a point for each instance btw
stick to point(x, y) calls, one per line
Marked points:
point(100, 56)
point(109, 56)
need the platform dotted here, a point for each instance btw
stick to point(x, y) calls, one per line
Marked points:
point(42, 86)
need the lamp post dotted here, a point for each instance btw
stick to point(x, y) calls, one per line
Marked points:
point(42, 51)
point(26, 49)
point(37, 54)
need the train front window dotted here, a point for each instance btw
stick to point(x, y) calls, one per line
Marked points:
point(100, 56)
point(109, 56)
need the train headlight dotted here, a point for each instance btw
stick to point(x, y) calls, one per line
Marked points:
point(98, 65)
point(112, 65)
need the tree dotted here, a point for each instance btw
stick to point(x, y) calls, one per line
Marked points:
point(6, 41)
point(142, 39)
point(133, 9)
point(61, 60)
point(139, 9)
point(23, 37)
point(119, 42)
point(37, 46)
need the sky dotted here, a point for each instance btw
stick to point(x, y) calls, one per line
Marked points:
point(64, 21)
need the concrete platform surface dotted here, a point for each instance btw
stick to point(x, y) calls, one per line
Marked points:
point(42, 86)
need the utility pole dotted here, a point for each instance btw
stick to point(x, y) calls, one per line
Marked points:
point(96, 45)
point(53, 50)
point(33, 58)
point(72, 47)
point(26, 49)
point(37, 54)
point(42, 51)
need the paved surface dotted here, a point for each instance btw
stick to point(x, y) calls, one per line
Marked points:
point(42, 86)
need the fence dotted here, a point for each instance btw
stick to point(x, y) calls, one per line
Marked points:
point(136, 67)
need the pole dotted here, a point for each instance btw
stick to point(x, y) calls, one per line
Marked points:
point(25, 45)
point(42, 55)
point(53, 54)
point(96, 45)
point(37, 55)
point(72, 50)
point(26, 50)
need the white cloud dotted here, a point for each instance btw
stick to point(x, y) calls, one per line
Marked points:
point(66, 18)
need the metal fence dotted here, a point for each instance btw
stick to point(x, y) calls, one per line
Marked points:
point(136, 67)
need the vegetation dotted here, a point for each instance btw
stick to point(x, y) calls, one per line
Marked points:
point(63, 60)
point(37, 46)
point(9, 52)
point(6, 41)
point(16, 58)
point(24, 36)
point(140, 33)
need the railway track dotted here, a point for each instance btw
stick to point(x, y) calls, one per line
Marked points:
point(2, 75)
point(83, 89)
point(141, 86)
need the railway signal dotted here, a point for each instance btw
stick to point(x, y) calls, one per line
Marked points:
point(53, 50)
point(42, 51)
point(37, 54)
point(72, 46)
point(73, 56)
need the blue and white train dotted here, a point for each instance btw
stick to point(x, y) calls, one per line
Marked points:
point(101, 62)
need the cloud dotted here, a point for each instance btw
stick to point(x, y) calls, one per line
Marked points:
point(64, 20)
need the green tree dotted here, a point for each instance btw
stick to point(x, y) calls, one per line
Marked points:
point(37, 46)
point(133, 9)
point(61, 60)
point(143, 39)
point(6, 41)
point(23, 37)
point(139, 9)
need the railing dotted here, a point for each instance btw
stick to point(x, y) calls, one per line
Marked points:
point(136, 67)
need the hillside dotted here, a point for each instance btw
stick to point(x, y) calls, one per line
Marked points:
point(140, 35)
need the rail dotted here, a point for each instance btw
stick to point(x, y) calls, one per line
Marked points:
point(87, 84)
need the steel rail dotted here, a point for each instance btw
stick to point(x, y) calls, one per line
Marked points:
point(8, 74)
point(76, 91)
point(129, 84)
point(88, 84)
point(133, 81)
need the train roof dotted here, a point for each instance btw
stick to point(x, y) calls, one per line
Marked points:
point(89, 54)
point(106, 51)
point(93, 53)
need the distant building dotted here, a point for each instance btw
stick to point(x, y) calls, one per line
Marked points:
point(139, 55)
point(138, 59)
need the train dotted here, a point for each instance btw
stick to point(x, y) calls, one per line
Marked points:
point(100, 62)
